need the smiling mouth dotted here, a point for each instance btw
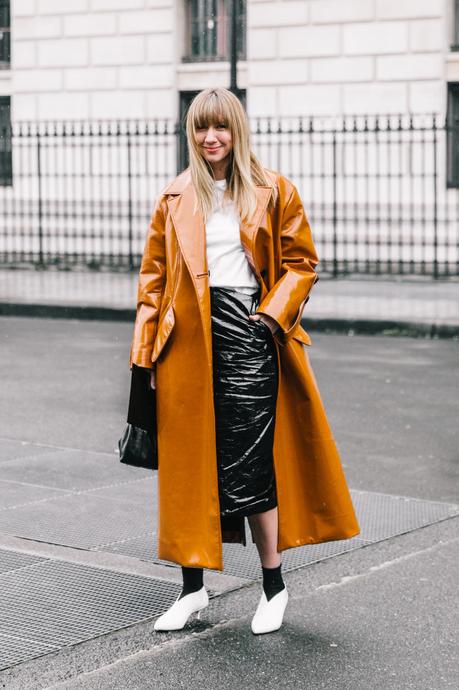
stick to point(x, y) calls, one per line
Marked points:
point(215, 148)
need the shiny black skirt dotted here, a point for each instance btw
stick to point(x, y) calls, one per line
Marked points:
point(245, 374)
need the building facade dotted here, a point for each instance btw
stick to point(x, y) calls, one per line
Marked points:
point(94, 59)
point(311, 61)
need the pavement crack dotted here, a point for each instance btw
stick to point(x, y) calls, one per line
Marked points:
point(167, 645)
point(346, 579)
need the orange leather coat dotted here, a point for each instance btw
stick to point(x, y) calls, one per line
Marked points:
point(173, 329)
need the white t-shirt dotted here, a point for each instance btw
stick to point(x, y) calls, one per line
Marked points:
point(227, 262)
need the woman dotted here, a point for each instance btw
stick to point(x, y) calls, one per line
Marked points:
point(227, 268)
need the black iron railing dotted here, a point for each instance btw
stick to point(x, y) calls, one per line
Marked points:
point(375, 191)
point(5, 34)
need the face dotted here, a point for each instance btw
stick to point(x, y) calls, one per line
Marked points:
point(214, 142)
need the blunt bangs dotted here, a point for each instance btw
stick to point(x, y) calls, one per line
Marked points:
point(208, 111)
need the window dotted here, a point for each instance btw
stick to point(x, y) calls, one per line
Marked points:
point(185, 99)
point(6, 167)
point(208, 26)
point(453, 135)
point(455, 37)
point(4, 34)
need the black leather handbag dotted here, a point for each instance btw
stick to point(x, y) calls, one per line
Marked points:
point(138, 446)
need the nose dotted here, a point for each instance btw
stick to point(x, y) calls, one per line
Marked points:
point(210, 135)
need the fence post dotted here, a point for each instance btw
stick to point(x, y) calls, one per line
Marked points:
point(334, 206)
point(40, 202)
point(131, 257)
point(435, 199)
point(180, 146)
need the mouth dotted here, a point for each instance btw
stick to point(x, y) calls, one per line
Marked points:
point(213, 149)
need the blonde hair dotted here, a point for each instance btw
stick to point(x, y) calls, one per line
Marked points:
point(213, 106)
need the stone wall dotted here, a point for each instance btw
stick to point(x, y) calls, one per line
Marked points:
point(112, 59)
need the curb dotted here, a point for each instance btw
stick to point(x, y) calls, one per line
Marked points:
point(411, 329)
point(67, 311)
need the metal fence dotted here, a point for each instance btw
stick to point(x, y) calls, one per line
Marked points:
point(375, 190)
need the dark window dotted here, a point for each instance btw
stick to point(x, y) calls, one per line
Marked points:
point(6, 167)
point(453, 135)
point(185, 99)
point(455, 38)
point(208, 25)
point(4, 34)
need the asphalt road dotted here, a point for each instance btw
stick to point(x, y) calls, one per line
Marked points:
point(392, 402)
point(388, 626)
point(382, 617)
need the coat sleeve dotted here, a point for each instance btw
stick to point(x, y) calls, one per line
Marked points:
point(150, 289)
point(286, 299)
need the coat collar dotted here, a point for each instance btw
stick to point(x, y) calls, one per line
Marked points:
point(190, 227)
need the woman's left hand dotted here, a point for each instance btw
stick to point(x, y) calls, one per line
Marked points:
point(271, 323)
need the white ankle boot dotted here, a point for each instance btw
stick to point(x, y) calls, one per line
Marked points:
point(269, 614)
point(177, 615)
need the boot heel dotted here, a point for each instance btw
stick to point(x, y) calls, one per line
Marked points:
point(182, 609)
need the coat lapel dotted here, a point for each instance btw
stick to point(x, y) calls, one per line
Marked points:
point(191, 235)
point(190, 228)
point(249, 230)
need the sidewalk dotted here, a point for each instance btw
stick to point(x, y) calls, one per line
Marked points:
point(80, 578)
point(392, 306)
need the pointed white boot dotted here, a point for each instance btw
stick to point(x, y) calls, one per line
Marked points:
point(177, 615)
point(269, 614)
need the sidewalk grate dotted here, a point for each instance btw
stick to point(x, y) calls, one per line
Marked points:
point(241, 562)
point(54, 604)
point(85, 520)
point(14, 650)
point(14, 560)
point(380, 516)
point(48, 604)
point(82, 520)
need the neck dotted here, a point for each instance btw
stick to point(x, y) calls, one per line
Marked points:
point(219, 170)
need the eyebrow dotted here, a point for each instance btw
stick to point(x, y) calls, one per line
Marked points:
point(199, 125)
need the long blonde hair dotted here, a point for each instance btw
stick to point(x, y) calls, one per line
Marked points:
point(212, 106)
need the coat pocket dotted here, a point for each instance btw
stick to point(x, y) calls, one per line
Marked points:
point(165, 327)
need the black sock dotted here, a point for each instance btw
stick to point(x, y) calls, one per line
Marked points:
point(192, 580)
point(272, 581)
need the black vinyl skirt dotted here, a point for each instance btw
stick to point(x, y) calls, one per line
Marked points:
point(245, 372)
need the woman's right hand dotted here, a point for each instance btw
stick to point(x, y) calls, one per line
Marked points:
point(153, 378)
